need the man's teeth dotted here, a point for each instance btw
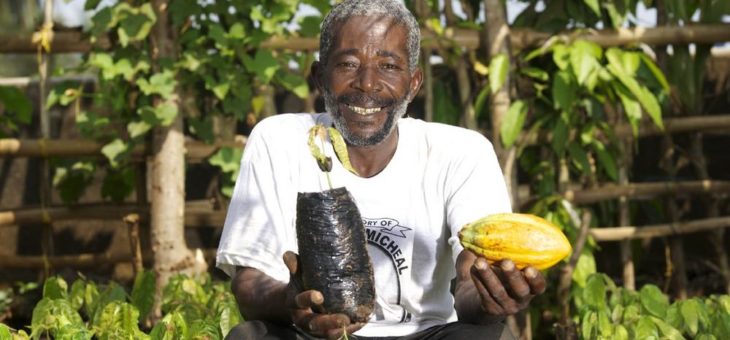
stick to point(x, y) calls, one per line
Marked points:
point(364, 111)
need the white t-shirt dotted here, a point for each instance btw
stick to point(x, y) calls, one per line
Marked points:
point(440, 178)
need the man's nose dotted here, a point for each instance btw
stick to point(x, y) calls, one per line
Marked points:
point(368, 80)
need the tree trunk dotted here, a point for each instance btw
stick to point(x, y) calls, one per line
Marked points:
point(497, 43)
point(171, 254)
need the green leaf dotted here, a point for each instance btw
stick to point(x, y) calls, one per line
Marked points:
point(655, 71)
point(143, 293)
point(588, 324)
point(535, 73)
point(620, 333)
point(654, 301)
point(137, 129)
point(15, 101)
point(584, 268)
point(55, 287)
point(76, 298)
point(5, 332)
point(561, 56)
point(50, 315)
point(227, 159)
point(632, 107)
point(645, 328)
point(118, 184)
point(564, 91)
point(91, 4)
point(560, 135)
point(498, 70)
point(162, 83)
point(115, 151)
point(690, 311)
point(594, 6)
point(513, 122)
point(264, 65)
point(584, 57)
point(668, 332)
point(606, 160)
point(579, 158)
point(594, 293)
point(309, 25)
point(295, 83)
point(117, 320)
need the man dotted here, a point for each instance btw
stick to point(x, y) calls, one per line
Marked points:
point(416, 185)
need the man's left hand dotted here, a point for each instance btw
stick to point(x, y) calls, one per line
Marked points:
point(501, 288)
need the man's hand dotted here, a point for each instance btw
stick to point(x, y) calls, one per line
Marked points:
point(303, 306)
point(487, 293)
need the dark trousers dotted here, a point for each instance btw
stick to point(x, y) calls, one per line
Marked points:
point(262, 330)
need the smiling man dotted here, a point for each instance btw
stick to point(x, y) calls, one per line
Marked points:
point(417, 184)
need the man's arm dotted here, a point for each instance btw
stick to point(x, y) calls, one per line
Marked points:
point(486, 294)
point(261, 297)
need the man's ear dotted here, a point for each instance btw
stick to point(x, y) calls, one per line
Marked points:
point(315, 75)
point(416, 81)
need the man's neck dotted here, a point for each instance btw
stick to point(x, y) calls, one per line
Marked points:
point(369, 161)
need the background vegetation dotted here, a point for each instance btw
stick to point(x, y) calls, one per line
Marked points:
point(209, 71)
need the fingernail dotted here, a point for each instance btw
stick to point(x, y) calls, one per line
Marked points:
point(480, 264)
point(508, 265)
point(312, 327)
point(531, 273)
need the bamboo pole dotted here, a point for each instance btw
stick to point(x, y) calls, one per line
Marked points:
point(647, 128)
point(78, 260)
point(636, 191)
point(197, 213)
point(77, 42)
point(566, 328)
point(9, 147)
point(658, 230)
point(627, 261)
point(716, 237)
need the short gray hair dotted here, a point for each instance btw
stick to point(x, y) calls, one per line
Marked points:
point(388, 8)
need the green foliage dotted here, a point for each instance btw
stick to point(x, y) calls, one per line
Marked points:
point(194, 309)
point(606, 311)
point(575, 91)
point(15, 109)
point(228, 160)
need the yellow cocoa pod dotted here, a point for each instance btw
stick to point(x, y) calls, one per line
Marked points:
point(527, 240)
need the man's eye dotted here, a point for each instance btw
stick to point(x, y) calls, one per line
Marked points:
point(390, 66)
point(347, 64)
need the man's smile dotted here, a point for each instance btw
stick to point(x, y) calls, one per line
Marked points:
point(364, 111)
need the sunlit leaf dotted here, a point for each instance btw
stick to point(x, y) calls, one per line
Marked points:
point(498, 70)
point(513, 122)
point(654, 301)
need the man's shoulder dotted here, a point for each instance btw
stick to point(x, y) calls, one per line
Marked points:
point(288, 121)
point(445, 135)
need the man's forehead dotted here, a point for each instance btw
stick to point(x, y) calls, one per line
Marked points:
point(357, 27)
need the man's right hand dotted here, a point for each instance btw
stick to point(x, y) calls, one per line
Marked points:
point(303, 306)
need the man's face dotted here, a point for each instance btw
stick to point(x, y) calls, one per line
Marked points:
point(366, 83)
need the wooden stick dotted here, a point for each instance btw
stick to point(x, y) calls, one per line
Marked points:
point(649, 129)
point(77, 42)
point(132, 221)
point(566, 328)
point(76, 261)
point(646, 190)
point(10, 147)
point(197, 213)
point(658, 230)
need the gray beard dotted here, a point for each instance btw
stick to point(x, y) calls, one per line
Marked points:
point(398, 111)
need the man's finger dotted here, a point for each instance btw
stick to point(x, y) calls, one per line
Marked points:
point(291, 260)
point(535, 280)
point(515, 281)
point(495, 286)
point(308, 299)
point(488, 303)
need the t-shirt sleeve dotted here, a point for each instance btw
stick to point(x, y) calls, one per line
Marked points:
point(258, 227)
point(475, 187)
